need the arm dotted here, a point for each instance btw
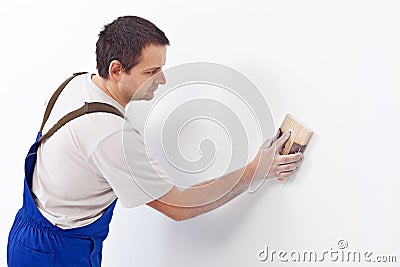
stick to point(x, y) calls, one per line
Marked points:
point(198, 199)
point(187, 203)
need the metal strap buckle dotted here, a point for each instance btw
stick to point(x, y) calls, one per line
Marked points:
point(86, 108)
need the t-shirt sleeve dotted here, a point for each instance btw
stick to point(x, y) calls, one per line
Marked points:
point(134, 175)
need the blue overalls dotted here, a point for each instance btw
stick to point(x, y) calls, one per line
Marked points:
point(34, 241)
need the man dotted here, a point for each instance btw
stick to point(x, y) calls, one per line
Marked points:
point(78, 167)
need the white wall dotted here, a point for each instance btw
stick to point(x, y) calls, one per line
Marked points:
point(334, 64)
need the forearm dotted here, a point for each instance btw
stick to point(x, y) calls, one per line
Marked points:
point(199, 199)
point(182, 204)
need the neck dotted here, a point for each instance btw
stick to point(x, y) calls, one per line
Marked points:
point(109, 88)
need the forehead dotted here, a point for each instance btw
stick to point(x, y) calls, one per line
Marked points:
point(153, 56)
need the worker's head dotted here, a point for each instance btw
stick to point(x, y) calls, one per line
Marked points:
point(130, 53)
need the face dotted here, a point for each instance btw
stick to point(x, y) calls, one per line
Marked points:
point(143, 79)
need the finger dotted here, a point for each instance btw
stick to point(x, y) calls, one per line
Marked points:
point(281, 141)
point(285, 159)
point(288, 167)
point(285, 175)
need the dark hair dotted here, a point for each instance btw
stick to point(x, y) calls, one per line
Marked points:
point(123, 40)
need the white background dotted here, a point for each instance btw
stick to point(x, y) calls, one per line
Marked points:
point(334, 64)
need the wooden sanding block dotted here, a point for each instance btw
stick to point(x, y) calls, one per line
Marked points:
point(299, 137)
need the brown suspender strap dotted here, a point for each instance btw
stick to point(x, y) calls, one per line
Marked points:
point(54, 97)
point(85, 109)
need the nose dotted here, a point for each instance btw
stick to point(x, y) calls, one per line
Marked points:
point(160, 78)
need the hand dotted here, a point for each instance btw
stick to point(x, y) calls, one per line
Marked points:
point(270, 164)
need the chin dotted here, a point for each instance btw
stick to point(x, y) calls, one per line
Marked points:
point(148, 96)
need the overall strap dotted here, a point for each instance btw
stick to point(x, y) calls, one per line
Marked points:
point(85, 109)
point(54, 97)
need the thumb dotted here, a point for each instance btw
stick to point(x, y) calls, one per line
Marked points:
point(281, 141)
point(267, 143)
point(278, 133)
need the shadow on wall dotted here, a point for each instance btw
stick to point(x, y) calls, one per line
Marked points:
point(218, 226)
point(221, 225)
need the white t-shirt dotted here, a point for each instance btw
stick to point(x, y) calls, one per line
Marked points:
point(91, 160)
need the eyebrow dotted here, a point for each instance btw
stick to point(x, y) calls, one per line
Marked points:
point(152, 68)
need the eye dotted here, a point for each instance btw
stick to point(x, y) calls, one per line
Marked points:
point(152, 72)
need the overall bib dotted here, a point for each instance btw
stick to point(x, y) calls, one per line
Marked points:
point(33, 240)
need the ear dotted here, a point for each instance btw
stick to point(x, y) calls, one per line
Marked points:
point(114, 70)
